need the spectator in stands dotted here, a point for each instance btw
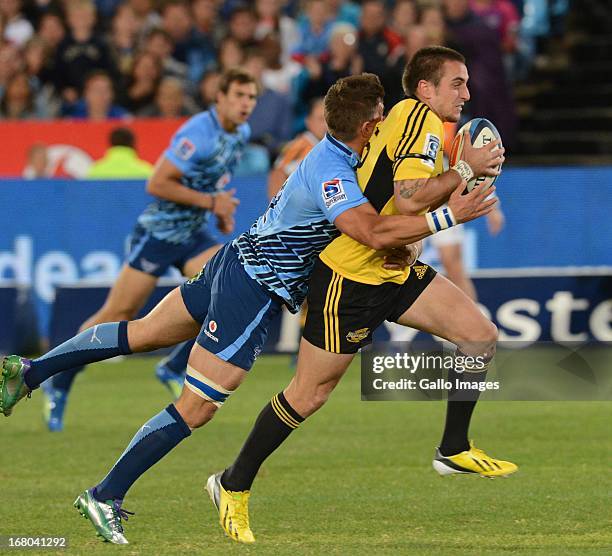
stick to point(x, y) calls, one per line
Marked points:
point(123, 37)
point(315, 30)
point(159, 43)
point(207, 22)
point(208, 89)
point(170, 101)
point(404, 16)
point(190, 47)
point(36, 57)
point(148, 18)
point(121, 160)
point(231, 54)
point(17, 29)
point(18, 99)
point(81, 51)
point(97, 102)
point(272, 22)
point(10, 63)
point(272, 119)
point(341, 60)
point(344, 11)
point(378, 44)
point(432, 21)
point(142, 83)
point(295, 151)
point(491, 96)
point(242, 25)
point(51, 29)
point(503, 17)
point(37, 162)
point(278, 76)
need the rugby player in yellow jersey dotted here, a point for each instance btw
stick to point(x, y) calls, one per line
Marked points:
point(352, 291)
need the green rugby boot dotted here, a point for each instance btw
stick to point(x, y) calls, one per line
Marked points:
point(12, 382)
point(105, 517)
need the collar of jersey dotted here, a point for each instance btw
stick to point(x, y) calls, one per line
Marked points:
point(354, 158)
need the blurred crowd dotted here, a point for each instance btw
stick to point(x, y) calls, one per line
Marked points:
point(162, 58)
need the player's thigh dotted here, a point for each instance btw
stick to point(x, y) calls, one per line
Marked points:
point(193, 265)
point(167, 324)
point(451, 257)
point(444, 310)
point(127, 296)
point(318, 372)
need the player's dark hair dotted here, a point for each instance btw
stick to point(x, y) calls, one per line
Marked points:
point(350, 102)
point(426, 64)
point(235, 75)
point(122, 137)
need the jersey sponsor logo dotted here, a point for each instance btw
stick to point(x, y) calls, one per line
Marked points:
point(185, 149)
point(212, 327)
point(420, 271)
point(357, 336)
point(432, 146)
point(333, 192)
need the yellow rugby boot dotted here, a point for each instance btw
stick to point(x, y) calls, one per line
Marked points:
point(233, 509)
point(473, 461)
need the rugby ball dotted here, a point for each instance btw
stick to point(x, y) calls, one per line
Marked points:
point(482, 132)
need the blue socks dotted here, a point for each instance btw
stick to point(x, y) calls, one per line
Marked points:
point(152, 442)
point(97, 343)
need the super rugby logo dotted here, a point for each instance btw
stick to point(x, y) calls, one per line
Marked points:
point(185, 149)
point(333, 192)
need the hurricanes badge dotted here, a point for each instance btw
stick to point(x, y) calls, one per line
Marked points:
point(357, 335)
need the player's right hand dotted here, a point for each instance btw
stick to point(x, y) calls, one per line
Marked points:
point(225, 203)
point(473, 205)
point(484, 161)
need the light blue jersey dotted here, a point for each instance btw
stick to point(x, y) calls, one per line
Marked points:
point(280, 249)
point(207, 155)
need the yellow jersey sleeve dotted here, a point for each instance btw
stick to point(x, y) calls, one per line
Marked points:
point(416, 148)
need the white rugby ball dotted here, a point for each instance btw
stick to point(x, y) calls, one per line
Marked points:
point(482, 132)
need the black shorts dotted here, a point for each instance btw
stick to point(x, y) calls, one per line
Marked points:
point(342, 314)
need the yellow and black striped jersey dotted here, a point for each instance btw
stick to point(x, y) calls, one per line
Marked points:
point(406, 145)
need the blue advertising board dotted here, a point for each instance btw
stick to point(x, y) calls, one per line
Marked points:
point(60, 231)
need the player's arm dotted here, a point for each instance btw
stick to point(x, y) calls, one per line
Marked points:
point(413, 196)
point(369, 228)
point(276, 178)
point(165, 183)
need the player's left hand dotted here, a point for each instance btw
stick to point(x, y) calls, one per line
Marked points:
point(399, 258)
point(495, 221)
point(225, 224)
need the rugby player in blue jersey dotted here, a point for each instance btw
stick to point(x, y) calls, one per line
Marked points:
point(231, 303)
point(188, 183)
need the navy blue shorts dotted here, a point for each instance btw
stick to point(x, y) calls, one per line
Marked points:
point(155, 256)
point(235, 311)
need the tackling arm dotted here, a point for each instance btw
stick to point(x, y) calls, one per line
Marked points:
point(369, 228)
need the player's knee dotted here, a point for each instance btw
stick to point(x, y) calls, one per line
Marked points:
point(196, 417)
point(317, 399)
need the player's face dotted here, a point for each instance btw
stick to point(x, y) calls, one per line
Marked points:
point(235, 106)
point(451, 93)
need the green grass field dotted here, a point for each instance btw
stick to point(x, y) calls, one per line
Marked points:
point(355, 479)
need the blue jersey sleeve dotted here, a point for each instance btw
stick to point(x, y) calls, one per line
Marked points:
point(192, 142)
point(338, 194)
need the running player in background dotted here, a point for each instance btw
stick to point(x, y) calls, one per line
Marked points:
point(188, 182)
point(294, 152)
